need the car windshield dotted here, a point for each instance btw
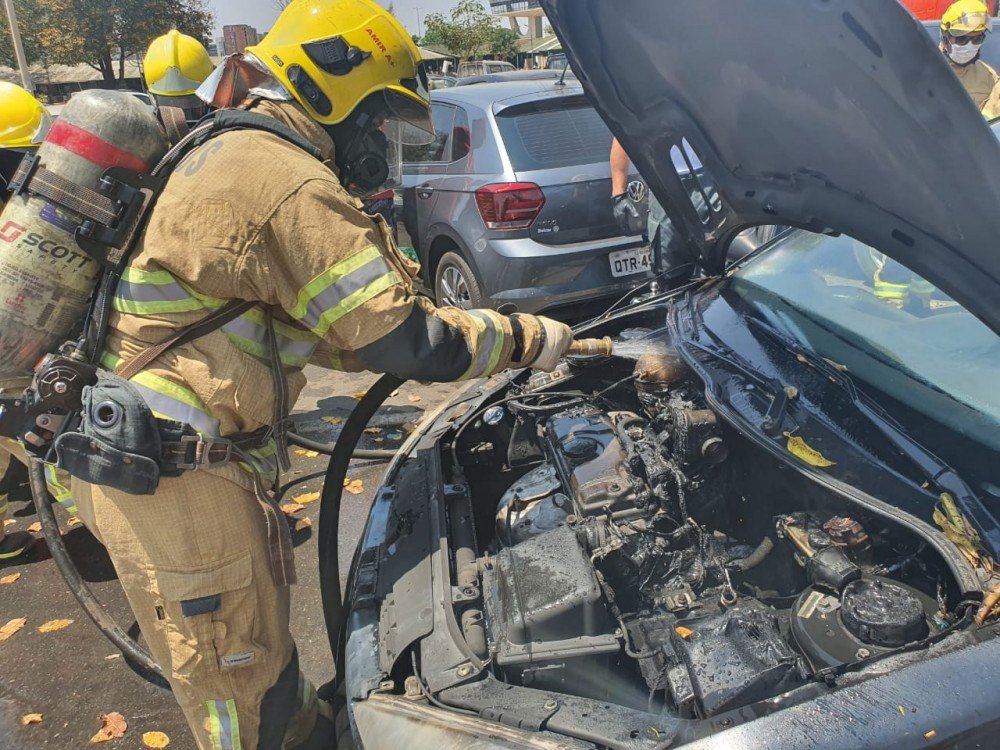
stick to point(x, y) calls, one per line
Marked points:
point(897, 335)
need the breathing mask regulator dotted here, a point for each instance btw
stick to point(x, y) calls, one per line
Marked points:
point(369, 143)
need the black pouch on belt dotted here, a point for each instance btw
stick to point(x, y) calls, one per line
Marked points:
point(118, 443)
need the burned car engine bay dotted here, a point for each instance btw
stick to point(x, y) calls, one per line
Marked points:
point(613, 544)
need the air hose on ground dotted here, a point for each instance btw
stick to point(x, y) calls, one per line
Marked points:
point(327, 449)
point(77, 586)
point(329, 511)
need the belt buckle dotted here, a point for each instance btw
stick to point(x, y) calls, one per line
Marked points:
point(202, 448)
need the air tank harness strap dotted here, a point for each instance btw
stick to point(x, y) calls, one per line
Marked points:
point(81, 200)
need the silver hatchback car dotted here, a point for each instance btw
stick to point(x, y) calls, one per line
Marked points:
point(509, 208)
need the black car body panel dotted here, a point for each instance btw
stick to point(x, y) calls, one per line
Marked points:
point(868, 132)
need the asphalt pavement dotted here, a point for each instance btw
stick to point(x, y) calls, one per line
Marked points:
point(73, 675)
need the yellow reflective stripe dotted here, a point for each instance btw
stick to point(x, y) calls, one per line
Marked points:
point(331, 276)
point(489, 344)
point(153, 292)
point(3, 505)
point(354, 301)
point(343, 288)
point(140, 276)
point(59, 491)
point(158, 384)
point(214, 726)
point(223, 725)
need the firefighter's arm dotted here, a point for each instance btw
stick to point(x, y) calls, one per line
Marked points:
point(338, 273)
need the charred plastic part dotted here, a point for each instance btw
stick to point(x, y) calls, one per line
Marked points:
point(828, 567)
point(716, 663)
point(828, 628)
point(883, 613)
point(846, 532)
point(591, 461)
point(696, 436)
point(656, 372)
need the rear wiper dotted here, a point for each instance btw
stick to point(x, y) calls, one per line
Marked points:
point(936, 470)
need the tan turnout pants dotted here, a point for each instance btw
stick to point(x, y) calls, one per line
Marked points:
point(193, 560)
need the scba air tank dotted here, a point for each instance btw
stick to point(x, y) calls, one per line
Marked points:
point(46, 279)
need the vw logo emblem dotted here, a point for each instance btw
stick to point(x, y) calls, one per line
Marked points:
point(636, 191)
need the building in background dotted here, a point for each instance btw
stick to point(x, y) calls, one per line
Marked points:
point(238, 37)
point(213, 48)
point(514, 10)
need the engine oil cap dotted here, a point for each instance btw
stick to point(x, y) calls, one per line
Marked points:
point(883, 613)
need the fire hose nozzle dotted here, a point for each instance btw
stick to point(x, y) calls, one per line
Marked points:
point(591, 347)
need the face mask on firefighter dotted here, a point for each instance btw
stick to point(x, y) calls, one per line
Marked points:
point(963, 53)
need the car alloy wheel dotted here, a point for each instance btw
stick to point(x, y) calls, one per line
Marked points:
point(456, 284)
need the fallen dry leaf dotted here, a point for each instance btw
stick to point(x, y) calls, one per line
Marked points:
point(360, 395)
point(930, 735)
point(373, 430)
point(113, 726)
point(9, 522)
point(683, 632)
point(291, 508)
point(308, 497)
point(112, 657)
point(413, 398)
point(155, 740)
point(307, 454)
point(12, 627)
point(355, 487)
point(11, 578)
point(36, 527)
point(31, 719)
point(303, 523)
point(74, 521)
point(53, 625)
point(333, 420)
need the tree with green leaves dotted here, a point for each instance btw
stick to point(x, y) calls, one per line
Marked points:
point(503, 43)
point(467, 32)
point(29, 19)
point(103, 33)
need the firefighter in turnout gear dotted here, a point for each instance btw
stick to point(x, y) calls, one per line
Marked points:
point(174, 67)
point(964, 26)
point(249, 216)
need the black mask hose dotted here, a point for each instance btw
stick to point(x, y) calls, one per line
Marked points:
point(132, 651)
point(329, 510)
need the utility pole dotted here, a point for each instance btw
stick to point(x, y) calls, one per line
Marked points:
point(15, 35)
point(420, 30)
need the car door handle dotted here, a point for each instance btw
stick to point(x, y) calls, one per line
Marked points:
point(424, 191)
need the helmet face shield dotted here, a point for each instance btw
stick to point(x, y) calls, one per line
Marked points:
point(412, 119)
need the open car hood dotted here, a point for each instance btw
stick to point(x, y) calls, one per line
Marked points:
point(832, 115)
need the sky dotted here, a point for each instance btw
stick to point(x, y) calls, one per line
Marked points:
point(261, 13)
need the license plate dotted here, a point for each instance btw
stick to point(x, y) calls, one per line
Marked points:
point(631, 261)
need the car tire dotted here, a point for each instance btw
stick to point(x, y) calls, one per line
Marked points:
point(455, 283)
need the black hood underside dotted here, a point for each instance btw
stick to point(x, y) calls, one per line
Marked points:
point(833, 115)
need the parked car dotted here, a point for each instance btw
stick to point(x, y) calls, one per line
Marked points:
point(510, 206)
point(511, 75)
point(556, 61)
point(770, 518)
point(440, 82)
point(482, 67)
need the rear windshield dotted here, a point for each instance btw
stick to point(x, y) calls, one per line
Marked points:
point(565, 135)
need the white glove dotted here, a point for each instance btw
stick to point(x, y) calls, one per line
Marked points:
point(558, 338)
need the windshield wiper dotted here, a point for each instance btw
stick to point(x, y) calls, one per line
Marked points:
point(935, 469)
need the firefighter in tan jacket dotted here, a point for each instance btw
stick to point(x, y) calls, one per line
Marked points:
point(250, 216)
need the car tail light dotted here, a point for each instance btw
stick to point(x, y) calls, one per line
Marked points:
point(509, 205)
